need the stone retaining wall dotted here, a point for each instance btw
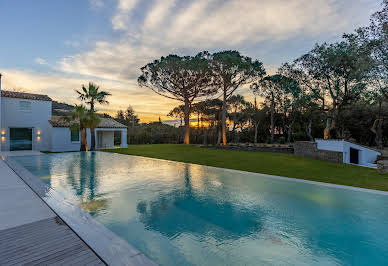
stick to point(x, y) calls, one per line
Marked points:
point(254, 148)
point(309, 149)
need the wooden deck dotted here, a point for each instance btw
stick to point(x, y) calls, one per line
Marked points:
point(44, 242)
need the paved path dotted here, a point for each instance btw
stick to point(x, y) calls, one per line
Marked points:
point(31, 233)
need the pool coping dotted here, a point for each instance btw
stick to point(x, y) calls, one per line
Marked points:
point(112, 249)
point(291, 179)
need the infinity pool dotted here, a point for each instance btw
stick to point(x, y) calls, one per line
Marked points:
point(187, 214)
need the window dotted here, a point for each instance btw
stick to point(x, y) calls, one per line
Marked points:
point(74, 135)
point(25, 106)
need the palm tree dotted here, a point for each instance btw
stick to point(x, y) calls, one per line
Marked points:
point(92, 95)
point(81, 119)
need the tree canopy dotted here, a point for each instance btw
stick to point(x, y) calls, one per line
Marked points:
point(181, 78)
point(233, 70)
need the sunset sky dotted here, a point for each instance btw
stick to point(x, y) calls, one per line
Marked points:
point(55, 46)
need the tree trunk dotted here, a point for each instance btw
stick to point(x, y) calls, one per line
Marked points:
point(330, 124)
point(224, 120)
point(272, 118)
point(290, 129)
point(326, 131)
point(308, 129)
point(92, 133)
point(187, 122)
point(84, 144)
point(377, 129)
point(219, 137)
point(92, 140)
point(256, 131)
point(234, 135)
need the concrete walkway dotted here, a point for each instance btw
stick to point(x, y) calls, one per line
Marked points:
point(19, 153)
point(30, 232)
point(18, 203)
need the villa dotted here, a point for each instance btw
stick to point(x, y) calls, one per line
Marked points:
point(27, 123)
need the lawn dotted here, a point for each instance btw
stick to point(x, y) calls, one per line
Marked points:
point(287, 165)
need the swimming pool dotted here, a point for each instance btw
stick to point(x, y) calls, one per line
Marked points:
point(186, 214)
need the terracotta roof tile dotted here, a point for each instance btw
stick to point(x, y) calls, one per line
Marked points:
point(24, 95)
point(105, 123)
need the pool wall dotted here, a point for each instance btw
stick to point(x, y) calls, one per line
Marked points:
point(112, 249)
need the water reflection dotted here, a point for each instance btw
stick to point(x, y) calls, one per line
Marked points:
point(184, 210)
point(81, 176)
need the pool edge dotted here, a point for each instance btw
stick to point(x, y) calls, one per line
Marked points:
point(112, 249)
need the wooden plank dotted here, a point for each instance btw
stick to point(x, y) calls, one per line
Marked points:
point(49, 241)
point(46, 237)
point(24, 239)
point(38, 250)
point(75, 259)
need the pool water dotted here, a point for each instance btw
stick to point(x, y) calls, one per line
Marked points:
point(187, 214)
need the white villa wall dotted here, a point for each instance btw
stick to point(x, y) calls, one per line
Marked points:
point(367, 156)
point(107, 139)
point(37, 118)
point(61, 140)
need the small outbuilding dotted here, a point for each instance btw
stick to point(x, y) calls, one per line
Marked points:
point(65, 139)
point(352, 153)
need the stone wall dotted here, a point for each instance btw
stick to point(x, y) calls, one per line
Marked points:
point(309, 149)
point(254, 148)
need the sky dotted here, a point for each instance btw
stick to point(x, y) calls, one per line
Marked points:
point(55, 46)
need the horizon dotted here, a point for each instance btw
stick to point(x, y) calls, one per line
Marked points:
point(106, 42)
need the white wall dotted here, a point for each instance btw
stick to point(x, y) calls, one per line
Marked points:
point(107, 139)
point(37, 118)
point(61, 141)
point(330, 145)
point(367, 156)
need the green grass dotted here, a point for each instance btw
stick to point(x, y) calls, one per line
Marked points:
point(287, 165)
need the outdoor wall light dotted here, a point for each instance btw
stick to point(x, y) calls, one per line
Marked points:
point(2, 138)
point(2, 132)
point(38, 138)
point(38, 132)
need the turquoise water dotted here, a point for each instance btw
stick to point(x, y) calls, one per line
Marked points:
point(186, 214)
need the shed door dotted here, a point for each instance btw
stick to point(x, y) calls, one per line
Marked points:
point(354, 155)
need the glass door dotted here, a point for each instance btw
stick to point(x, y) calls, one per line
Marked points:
point(20, 139)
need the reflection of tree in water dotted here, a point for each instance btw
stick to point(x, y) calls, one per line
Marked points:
point(86, 188)
point(182, 211)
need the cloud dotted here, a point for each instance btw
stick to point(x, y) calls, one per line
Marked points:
point(118, 61)
point(170, 26)
point(40, 61)
point(160, 11)
point(121, 19)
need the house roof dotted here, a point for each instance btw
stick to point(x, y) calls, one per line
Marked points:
point(24, 95)
point(56, 121)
